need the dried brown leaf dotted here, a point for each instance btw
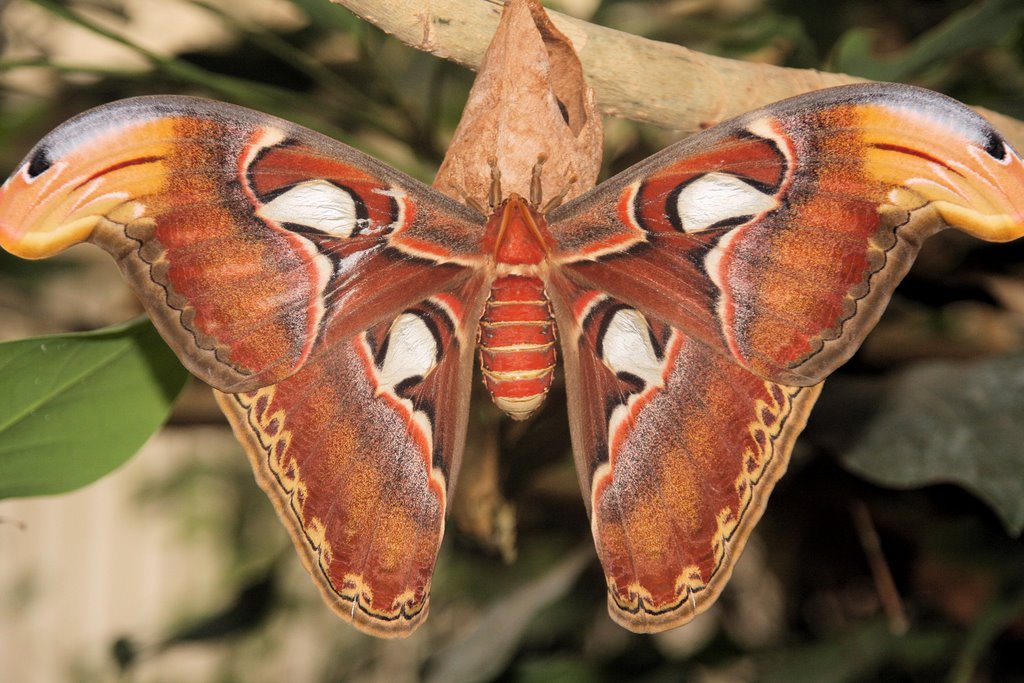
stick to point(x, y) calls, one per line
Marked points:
point(529, 102)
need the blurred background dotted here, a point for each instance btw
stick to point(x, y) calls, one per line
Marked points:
point(890, 552)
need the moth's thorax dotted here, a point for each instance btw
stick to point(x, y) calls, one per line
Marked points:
point(517, 328)
point(517, 235)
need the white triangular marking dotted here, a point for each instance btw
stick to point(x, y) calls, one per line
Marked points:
point(412, 351)
point(717, 197)
point(626, 347)
point(315, 204)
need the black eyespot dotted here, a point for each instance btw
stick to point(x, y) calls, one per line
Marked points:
point(40, 162)
point(994, 146)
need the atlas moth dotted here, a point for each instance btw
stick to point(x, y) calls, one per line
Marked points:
point(696, 302)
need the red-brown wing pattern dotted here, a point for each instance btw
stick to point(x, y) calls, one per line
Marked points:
point(700, 298)
point(778, 237)
point(335, 299)
point(677, 448)
point(359, 449)
point(246, 237)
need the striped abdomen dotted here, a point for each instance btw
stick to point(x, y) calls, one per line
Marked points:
point(517, 344)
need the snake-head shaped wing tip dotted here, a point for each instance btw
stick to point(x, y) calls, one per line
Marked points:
point(36, 221)
point(936, 151)
point(990, 206)
point(996, 211)
point(84, 171)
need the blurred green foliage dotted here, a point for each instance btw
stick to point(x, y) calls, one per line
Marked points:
point(64, 402)
point(804, 604)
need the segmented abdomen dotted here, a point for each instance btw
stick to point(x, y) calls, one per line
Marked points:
point(517, 344)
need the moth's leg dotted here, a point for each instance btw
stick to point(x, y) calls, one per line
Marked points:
point(536, 189)
point(557, 199)
point(494, 196)
point(470, 200)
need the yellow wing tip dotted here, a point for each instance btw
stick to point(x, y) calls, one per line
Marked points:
point(990, 227)
point(40, 243)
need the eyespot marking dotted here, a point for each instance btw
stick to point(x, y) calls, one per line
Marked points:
point(316, 204)
point(716, 199)
point(40, 163)
point(994, 145)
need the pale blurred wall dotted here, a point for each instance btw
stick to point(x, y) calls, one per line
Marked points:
point(79, 570)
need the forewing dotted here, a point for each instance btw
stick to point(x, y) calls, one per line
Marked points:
point(246, 237)
point(359, 450)
point(677, 449)
point(777, 238)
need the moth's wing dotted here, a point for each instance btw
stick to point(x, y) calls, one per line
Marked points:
point(778, 237)
point(333, 298)
point(246, 237)
point(359, 450)
point(703, 295)
point(677, 448)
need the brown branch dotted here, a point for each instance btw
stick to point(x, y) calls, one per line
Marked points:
point(889, 595)
point(633, 77)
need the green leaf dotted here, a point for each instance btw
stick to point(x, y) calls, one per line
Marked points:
point(330, 17)
point(1000, 614)
point(947, 422)
point(857, 653)
point(979, 25)
point(487, 646)
point(555, 669)
point(75, 406)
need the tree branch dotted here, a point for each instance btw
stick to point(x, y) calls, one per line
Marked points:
point(633, 77)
